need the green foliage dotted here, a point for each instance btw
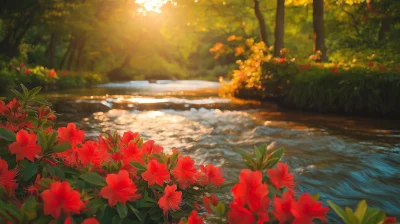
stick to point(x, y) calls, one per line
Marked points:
point(362, 215)
point(261, 159)
point(357, 90)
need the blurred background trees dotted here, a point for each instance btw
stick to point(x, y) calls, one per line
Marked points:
point(124, 40)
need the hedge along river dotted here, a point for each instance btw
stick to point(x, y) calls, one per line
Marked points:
point(343, 158)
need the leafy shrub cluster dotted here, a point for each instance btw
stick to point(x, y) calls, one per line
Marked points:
point(348, 86)
point(56, 176)
point(15, 72)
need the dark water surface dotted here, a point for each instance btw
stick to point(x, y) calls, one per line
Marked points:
point(345, 159)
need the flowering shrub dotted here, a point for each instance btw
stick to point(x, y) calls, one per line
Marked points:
point(56, 176)
point(358, 87)
point(17, 72)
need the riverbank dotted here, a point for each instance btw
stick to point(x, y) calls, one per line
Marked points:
point(351, 88)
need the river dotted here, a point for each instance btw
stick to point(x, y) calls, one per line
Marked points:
point(343, 158)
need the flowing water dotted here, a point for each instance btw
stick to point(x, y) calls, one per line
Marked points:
point(345, 159)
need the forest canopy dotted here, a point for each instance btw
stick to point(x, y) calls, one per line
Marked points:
point(191, 39)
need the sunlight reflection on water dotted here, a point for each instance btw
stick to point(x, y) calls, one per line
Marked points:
point(343, 158)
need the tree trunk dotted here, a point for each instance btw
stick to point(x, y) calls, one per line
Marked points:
point(319, 33)
point(50, 51)
point(261, 22)
point(279, 28)
point(66, 53)
point(384, 29)
point(80, 53)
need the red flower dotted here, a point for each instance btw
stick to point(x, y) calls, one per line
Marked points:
point(239, 215)
point(250, 189)
point(7, 177)
point(60, 198)
point(120, 188)
point(68, 221)
point(281, 60)
point(382, 67)
point(52, 73)
point(156, 173)
point(185, 172)
point(390, 220)
point(128, 136)
point(211, 175)
point(306, 209)
point(282, 207)
point(335, 70)
point(90, 221)
point(262, 213)
point(131, 153)
point(71, 134)
point(194, 218)
point(171, 199)
point(92, 152)
point(210, 200)
point(280, 177)
point(371, 64)
point(149, 147)
point(27, 71)
point(25, 146)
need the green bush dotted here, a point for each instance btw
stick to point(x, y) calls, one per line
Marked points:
point(356, 90)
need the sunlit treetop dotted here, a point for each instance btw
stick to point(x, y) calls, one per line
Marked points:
point(152, 5)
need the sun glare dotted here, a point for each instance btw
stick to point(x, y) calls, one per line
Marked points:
point(151, 5)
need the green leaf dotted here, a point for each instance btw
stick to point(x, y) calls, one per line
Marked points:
point(339, 211)
point(156, 214)
point(117, 220)
point(361, 209)
point(7, 135)
point(94, 205)
point(25, 91)
point(258, 154)
point(138, 165)
point(122, 210)
point(14, 211)
point(61, 147)
point(35, 91)
point(220, 209)
point(274, 158)
point(55, 171)
point(350, 215)
point(246, 157)
point(29, 208)
point(18, 94)
point(172, 161)
point(40, 100)
point(29, 171)
point(373, 216)
point(93, 178)
point(137, 213)
point(42, 140)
